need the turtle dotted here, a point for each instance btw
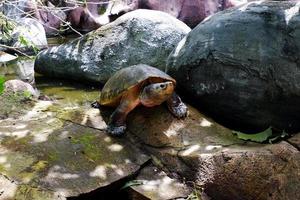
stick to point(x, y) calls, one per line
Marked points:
point(138, 85)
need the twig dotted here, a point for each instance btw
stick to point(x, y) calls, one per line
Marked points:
point(15, 49)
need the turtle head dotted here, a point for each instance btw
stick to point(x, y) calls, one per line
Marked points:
point(156, 93)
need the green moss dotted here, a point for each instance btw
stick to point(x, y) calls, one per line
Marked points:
point(90, 148)
point(40, 165)
point(28, 192)
point(101, 10)
point(53, 156)
point(2, 168)
point(14, 102)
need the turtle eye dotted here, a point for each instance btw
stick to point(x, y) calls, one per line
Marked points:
point(163, 86)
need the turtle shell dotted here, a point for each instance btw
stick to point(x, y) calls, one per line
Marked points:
point(129, 77)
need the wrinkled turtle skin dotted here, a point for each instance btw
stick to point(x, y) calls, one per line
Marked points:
point(138, 85)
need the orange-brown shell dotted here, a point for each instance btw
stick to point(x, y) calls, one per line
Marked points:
point(129, 77)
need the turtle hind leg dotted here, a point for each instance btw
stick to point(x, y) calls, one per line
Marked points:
point(177, 107)
point(117, 122)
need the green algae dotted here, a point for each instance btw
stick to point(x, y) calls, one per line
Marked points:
point(40, 165)
point(52, 156)
point(90, 147)
point(14, 104)
point(28, 192)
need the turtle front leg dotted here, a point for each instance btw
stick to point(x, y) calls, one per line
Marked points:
point(176, 106)
point(117, 122)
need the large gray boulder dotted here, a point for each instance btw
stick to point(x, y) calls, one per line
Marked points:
point(242, 66)
point(141, 36)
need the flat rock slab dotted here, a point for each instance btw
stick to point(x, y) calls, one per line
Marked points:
point(202, 152)
point(43, 156)
point(154, 184)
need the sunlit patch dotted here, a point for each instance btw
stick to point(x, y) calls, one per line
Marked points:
point(62, 192)
point(20, 126)
point(212, 147)
point(10, 189)
point(119, 172)
point(205, 123)
point(162, 187)
point(107, 139)
point(127, 161)
point(179, 46)
point(27, 177)
point(174, 129)
point(100, 171)
point(7, 165)
point(190, 150)
point(113, 166)
point(291, 12)
point(42, 137)
point(3, 159)
point(94, 118)
point(115, 147)
point(64, 134)
point(19, 134)
point(35, 112)
point(185, 142)
point(55, 174)
point(60, 175)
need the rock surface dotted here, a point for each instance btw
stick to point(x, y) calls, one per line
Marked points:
point(141, 36)
point(231, 67)
point(151, 183)
point(45, 157)
point(89, 17)
point(60, 147)
point(18, 86)
point(52, 18)
point(207, 154)
point(220, 165)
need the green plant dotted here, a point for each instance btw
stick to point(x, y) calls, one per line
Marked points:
point(2, 80)
point(257, 137)
point(6, 28)
point(133, 183)
point(27, 43)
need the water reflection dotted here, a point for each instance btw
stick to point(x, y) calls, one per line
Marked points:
point(62, 90)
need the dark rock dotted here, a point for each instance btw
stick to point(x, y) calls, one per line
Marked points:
point(241, 66)
point(52, 18)
point(88, 17)
point(141, 36)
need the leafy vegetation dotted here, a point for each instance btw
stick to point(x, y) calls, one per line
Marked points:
point(132, 183)
point(6, 28)
point(258, 137)
point(267, 135)
point(2, 80)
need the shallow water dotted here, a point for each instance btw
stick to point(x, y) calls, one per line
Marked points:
point(65, 91)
